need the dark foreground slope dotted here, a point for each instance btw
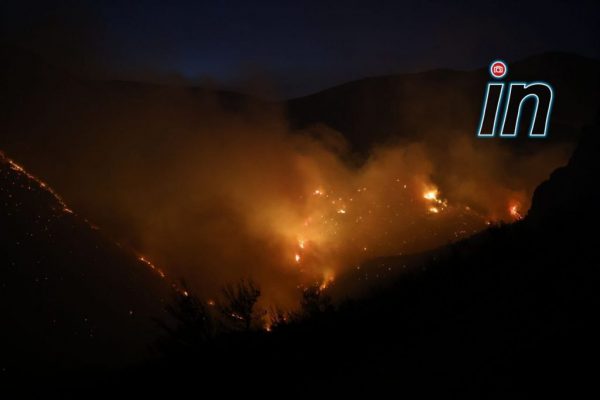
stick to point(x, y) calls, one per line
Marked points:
point(69, 297)
point(512, 309)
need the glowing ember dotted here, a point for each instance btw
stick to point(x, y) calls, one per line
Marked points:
point(148, 263)
point(237, 316)
point(153, 267)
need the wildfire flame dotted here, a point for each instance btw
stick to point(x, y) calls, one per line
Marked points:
point(432, 196)
point(514, 210)
point(330, 219)
point(328, 278)
point(327, 221)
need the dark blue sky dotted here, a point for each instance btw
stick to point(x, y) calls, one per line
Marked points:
point(296, 47)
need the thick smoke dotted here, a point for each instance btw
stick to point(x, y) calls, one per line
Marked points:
point(213, 188)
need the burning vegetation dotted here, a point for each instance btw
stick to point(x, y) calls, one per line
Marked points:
point(212, 195)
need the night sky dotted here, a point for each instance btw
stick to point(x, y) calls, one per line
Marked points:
point(296, 47)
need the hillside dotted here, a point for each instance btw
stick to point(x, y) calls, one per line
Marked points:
point(505, 311)
point(69, 296)
point(516, 301)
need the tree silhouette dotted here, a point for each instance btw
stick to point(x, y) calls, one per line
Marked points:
point(314, 302)
point(193, 323)
point(238, 304)
point(276, 317)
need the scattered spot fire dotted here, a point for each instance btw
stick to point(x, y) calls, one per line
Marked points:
point(64, 208)
point(334, 223)
point(41, 184)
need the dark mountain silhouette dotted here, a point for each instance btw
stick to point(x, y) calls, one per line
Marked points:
point(69, 297)
point(44, 107)
point(445, 102)
point(571, 193)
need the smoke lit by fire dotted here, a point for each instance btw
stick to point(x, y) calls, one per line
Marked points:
point(227, 196)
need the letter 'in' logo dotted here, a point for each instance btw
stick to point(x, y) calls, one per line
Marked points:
point(509, 113)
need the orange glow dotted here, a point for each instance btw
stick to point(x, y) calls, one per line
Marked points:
point(514, 210)
point(431, 195)
point(304, 222)
point(328, 278)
